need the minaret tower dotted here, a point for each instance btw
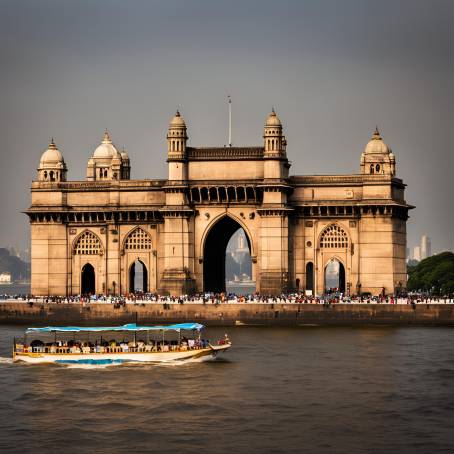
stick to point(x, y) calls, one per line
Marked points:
point(176, 148)
point(276, 164)
point(274, 210)
point(177, 278)
point(274, 139)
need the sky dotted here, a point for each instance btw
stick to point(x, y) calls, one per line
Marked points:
point(333, 70)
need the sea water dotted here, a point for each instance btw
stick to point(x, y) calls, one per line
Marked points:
point(297, 390)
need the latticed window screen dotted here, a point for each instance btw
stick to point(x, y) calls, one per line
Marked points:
point(334, 237)
point(88, 244)
point(138, 240)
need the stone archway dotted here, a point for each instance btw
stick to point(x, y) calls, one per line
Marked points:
point(214, 253)
point(132, 276)
point(310, 277)
point(334, 276)
point(87, 280)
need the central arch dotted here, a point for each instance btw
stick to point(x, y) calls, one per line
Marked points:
point(214, 253)
point(87, 280)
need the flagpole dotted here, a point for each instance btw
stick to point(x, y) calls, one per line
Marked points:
point(230, 120)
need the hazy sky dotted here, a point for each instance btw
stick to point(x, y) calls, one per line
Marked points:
point(333, 70)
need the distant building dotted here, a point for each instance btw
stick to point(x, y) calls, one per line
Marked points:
point(426, 247)
point(417, 253)
point(5, 278)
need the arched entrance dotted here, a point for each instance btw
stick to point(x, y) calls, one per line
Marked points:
point(237, 259)
point(310, 277)
point(334, 276)
point(138, 277)
point(87, 280)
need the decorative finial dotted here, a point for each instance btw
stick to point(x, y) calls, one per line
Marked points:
point(376, 132)
point(52, 144)
point(273, 112)
point(106, 137)
point(177, 114)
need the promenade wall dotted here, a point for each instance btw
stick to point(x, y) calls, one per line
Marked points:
point(42, 314)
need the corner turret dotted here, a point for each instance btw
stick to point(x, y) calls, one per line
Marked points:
point(52, 166)
point(377, 157)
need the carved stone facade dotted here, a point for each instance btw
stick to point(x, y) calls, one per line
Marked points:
point(87, 235)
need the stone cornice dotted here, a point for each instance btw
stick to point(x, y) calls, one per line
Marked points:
point(113, 185)
point(343, 180)
point(224, 153)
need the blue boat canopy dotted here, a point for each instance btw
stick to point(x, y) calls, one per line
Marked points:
point(129, 327)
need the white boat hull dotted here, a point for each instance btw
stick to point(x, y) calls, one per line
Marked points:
point(203, 354)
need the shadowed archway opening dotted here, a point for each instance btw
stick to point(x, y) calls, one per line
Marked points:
point(138, 277)
point(227, 262)
point(334, 277)
point(87, 286)
point(310, 277)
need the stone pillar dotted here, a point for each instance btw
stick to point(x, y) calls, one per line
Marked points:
point(273, 251)
point(178, 275)
point(49, 259)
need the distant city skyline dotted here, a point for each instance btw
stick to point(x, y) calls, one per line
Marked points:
point(333, 70)
point(422, 250)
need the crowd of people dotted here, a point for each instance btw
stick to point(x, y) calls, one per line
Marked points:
point(231, 298)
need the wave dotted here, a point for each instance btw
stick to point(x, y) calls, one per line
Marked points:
point(4, 360)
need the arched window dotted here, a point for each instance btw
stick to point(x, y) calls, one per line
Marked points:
point(138, 239)
point(45, 174)
point(51, 175)
point(371, 168)
point(105, 173)
point(334, 237)
point(87, 244)
point(377, 168)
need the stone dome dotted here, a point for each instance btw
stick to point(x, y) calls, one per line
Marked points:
point(376, 144)
point(107, 149)
point(52, 157)
point(177, 121)
point(273, 119)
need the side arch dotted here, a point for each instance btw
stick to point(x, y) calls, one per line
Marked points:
point(137, 244)
point(87, 279)
point(342, 273)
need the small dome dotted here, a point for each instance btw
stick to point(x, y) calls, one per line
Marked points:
point(51, 156)
point(273, 119)
point(106, 149)
point(177, 121)
point(376, 144)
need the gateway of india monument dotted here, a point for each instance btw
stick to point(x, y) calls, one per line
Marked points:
point(86, 236)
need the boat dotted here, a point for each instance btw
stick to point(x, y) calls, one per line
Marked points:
point(98, 345)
